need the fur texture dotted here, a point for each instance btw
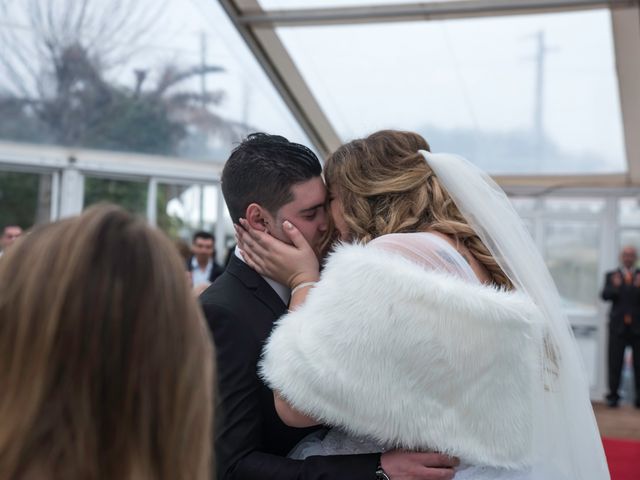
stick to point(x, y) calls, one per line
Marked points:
point(412, 358)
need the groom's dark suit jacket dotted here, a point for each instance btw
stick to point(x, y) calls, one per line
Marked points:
point(250, 440)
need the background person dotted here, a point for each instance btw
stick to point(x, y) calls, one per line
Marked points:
point(10, 233)
point(622, 289)
point(202, 264)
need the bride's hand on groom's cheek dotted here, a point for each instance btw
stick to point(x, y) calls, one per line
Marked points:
point(289, 264)
point(401, 465)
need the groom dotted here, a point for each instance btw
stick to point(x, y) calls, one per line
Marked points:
point(267, 180)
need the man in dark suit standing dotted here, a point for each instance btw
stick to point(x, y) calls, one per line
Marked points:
point(268, 180)
point(622, 288)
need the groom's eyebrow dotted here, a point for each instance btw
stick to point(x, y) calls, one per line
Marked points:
point(315, 207)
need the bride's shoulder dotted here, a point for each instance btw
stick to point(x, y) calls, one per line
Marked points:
point(423, 243)
point(427, 249)
point(409, 239)
point(430, 250)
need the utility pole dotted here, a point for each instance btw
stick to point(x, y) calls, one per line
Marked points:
point(538, 110)
point(246, 101)
point(203, 100)
point(538, 128)
point(203, 66)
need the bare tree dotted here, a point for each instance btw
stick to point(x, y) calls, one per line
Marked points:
point(43, 31)
point(58, 54)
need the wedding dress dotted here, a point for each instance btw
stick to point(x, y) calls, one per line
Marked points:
point(400, 346)
point(338, 442)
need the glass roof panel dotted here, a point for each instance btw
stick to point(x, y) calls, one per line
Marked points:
point(168, 78)
point(530, 94)
point(301, 4)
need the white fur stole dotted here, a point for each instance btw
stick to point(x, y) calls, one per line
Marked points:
point(412, 358)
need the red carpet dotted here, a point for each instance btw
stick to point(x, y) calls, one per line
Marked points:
point(623, 457)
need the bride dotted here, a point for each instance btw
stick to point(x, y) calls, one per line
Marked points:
point(434, 325)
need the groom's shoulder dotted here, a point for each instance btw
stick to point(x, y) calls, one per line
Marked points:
point(223, 304)
point(226, 291)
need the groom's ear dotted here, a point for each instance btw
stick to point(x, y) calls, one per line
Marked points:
point(257, 217)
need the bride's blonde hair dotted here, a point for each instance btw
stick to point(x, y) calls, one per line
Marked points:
point(386, 186)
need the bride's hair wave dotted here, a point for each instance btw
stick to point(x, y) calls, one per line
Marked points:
point(386, 186)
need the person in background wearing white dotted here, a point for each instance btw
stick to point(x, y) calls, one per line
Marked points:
point(202, 265)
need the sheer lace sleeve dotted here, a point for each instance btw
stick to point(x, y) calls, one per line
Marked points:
point(427, 250)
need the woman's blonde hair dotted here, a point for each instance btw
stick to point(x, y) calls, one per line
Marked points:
point(105, 361)
point(386, 186)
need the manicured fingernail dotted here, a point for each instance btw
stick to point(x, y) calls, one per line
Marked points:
point(287, 225)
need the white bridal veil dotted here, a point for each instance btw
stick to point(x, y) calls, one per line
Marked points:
point(566, 441)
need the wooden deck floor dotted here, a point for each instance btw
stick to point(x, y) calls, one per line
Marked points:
point(621, 422)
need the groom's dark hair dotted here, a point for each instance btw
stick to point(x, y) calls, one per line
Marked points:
point(262, 170)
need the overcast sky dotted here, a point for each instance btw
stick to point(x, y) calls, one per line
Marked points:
point(476, 74)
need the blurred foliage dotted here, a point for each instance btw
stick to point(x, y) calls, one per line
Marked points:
point(172, 225)
point(18, 198)
point(132, 196)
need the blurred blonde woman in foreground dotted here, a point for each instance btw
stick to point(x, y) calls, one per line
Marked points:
point(105, 362)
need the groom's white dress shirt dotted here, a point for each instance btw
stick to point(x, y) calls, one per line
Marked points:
point(282, 290)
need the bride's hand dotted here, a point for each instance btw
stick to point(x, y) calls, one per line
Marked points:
point(290, 265)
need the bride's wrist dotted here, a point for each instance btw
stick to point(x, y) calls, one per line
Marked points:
point(305, 277)
point(302, 286)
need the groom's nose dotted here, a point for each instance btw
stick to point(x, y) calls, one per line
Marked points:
point(322, 218)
